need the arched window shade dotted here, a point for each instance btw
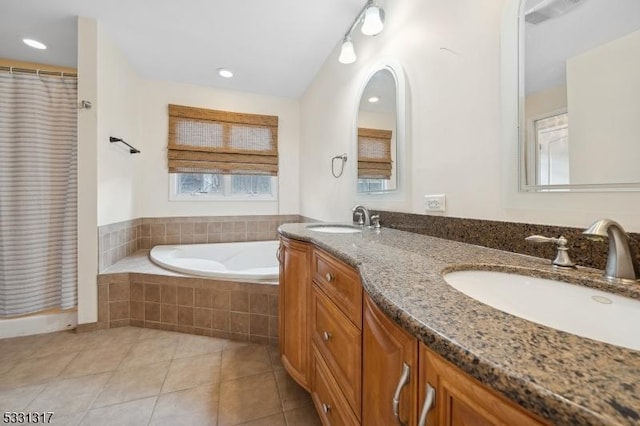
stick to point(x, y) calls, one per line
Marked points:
point(210, 141)
point(374, 153)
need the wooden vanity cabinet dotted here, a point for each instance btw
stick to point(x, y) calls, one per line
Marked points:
point(294, 301)
point(360, 367)
point(459, 399)
point(390, 370)
point(336, 335)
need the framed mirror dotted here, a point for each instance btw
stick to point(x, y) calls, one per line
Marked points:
point(579, 91)
point(380, 131)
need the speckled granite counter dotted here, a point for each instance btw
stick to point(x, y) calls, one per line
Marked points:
point(566, 379)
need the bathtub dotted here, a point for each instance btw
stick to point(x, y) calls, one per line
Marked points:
point(246, 261)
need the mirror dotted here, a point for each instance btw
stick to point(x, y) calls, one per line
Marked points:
point(579, 95)
point(377, 134)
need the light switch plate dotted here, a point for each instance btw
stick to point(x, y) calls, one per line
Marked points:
point(435, 203)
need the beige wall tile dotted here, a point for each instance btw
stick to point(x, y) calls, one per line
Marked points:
point(259, 325)
point(118, 291)
point(173, 229)
point(186, 229)
point(200, 228)
point(169, 294)
point(239, 322)
point(151, 311)
point(158, 229)
point(118, 310)
point(220, 299)
point(185, 315)
point(240, 301)
point(202, 317)
point(185, 296)
point(203, 298)
point(274, 330)
point(152, 293)
point(220, 320)
point(169, 313)
point(137, 291)
point(173, 239)
point(273, 305)
point(136, 310)
point(259, 303)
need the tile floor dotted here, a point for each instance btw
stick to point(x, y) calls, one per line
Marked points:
point(136, 376)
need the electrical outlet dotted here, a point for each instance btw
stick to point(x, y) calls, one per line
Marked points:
point(435, 203)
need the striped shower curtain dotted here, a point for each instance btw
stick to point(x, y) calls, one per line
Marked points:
point(38, 181)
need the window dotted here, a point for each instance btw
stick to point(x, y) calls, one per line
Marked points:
point(210, 186)
point(222, 155)
point(374, 154)
point(552, 137)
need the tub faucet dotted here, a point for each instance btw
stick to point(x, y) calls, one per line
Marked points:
point(621, 265)
point(364, 214)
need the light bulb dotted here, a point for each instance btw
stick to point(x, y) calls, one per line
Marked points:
point(373, 21)
point(34, 43)
point(347, 53)
point(223, 72)
point(373, 99)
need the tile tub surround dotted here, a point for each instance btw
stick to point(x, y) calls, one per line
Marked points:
point(507, 236)
point(561, 377)
point(136, 292)
point(119, 240)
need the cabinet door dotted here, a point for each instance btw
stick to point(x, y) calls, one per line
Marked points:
point(460, 400)
point(295, 294)
point(390, 376)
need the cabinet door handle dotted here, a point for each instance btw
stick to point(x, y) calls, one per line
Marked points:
point(428, 403)
point(329, 277)
point(405, 377)
point(326, 408)
point(326, 336)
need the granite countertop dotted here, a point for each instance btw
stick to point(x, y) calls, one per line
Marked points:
point(564, 378)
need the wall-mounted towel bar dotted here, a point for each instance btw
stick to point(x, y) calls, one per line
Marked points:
point(132, 150)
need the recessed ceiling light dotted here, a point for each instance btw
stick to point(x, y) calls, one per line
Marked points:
point(34, 43)
point(373, 99)
point(223, 72)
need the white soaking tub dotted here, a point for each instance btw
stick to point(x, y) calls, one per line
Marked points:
point(253, 261)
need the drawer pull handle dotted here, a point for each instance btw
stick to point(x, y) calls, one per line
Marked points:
point(405, 377)
point(428, 403)
point(326, 408)
point(326, 336)
point(329, 277)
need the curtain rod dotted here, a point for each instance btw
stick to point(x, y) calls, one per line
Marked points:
point(38, 71)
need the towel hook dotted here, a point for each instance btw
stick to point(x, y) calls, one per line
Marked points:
point(342, 157)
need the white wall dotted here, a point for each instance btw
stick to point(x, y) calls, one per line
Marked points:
point(152, 178)
point(603, 86)
point(452, 59)
point(87, 176)
point(117, 116)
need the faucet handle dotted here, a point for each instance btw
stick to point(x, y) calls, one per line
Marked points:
point(375, 220)
point(562, 257)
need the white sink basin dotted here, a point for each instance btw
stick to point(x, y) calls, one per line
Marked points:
point(335, 229)
point(575, 309)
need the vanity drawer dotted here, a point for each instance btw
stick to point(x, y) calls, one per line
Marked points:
point(340, 282)
point(340, 344)
point(330, 404)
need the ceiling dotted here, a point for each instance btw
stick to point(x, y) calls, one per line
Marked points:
point(274, 47)
point(590, 24)
point(382, 85)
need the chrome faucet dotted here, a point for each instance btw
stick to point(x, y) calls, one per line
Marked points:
point(365, 215)
point(621, 265)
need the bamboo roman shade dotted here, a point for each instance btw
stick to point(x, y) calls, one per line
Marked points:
point(210, 141)
point(374, 154)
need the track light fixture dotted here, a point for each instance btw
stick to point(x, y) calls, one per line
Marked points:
point(372, 18)
point(347, 52)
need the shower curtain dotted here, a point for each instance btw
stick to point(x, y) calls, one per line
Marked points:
point(38, 181)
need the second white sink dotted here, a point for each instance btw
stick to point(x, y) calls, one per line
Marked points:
point(335, 229)
point(572, 308)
